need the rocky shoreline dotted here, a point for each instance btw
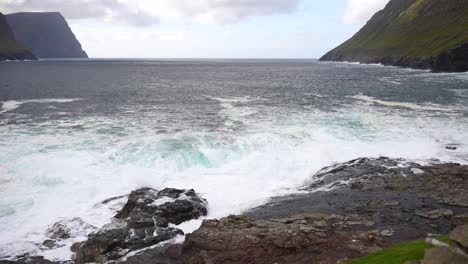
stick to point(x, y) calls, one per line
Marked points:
point(453, 60)
point(346, 211)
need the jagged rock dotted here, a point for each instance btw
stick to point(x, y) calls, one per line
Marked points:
point(147, 207)
point(442, 255)
point(142, 222)
point(434, 214)
point(114, 244)
point(460, 235)
point(49, 243)
point(65, 229)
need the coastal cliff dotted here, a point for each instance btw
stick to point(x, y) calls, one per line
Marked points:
point(46, 34)
point(10, 49)
point(424, 34)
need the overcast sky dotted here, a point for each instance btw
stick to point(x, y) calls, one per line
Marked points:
point(207, 28)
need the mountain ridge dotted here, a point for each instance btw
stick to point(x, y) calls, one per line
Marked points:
point(46, 34)
point(426, 34)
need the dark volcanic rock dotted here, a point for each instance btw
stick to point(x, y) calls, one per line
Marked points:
point(46, 34)
point(453, 60)
point(301, 239)
point(141, 223)
point(149, 207)
point(410, 199)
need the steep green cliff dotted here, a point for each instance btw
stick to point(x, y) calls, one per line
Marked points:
point(429, 34)
point(9, 47)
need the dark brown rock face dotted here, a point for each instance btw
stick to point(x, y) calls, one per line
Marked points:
point(300, 239)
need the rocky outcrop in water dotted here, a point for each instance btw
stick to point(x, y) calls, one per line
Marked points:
point(424, 34)
point(141, 223)
point(10, 49)
point(46, 34)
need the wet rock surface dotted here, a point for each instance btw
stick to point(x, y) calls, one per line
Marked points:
point(408, 198)
point(350, 210)
point(142, 222)
point(66, 229)
point(308, 238)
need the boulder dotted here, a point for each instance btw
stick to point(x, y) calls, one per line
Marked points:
point(442, 255)
point(141, 223)
point(460, 235)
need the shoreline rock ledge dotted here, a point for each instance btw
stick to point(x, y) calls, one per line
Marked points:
point(346, 211)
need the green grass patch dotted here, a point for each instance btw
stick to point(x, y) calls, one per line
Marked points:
point(398, 254)
point(413, 29)
point(412, 11)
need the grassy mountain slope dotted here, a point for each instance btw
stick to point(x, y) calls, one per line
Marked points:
point(416, 33)
point(9, 47)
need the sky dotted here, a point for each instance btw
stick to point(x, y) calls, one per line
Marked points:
point(207, 28)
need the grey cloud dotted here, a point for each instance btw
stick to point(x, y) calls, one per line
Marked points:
point(232, 11)
point(80, 9)
point(220, 11)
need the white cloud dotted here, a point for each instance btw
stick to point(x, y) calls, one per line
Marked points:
point(358, 11)
point(147, 12)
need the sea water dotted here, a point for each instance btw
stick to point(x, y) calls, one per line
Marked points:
point(73, 133)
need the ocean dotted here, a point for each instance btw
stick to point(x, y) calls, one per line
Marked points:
point(74, 133)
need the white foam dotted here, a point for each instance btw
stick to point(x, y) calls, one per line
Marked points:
point(427, 107)
point(14, 104)
point(47, 175)
point(243, 99)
